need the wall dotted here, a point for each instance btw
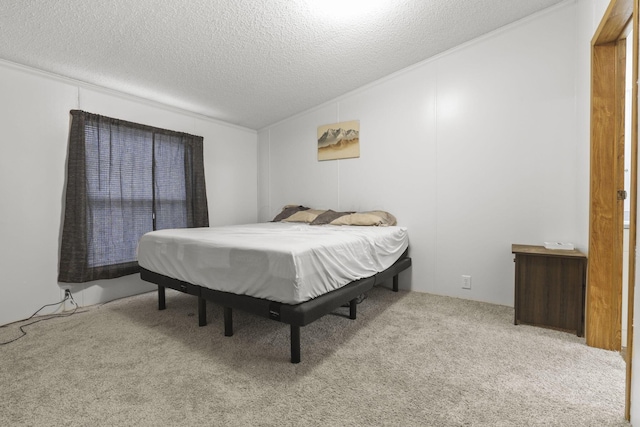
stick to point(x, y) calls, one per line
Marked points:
point(481, 147)
point(472, 150)
point(34, 118)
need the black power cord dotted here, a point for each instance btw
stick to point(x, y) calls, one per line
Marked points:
point(67, 297)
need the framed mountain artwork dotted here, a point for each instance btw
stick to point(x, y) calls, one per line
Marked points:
point(339, 141)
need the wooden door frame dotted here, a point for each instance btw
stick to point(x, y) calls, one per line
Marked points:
point(604, 282)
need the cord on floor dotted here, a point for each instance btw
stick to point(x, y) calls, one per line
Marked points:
point(67, 297)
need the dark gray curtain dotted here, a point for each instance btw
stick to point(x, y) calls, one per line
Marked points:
point(123, 180)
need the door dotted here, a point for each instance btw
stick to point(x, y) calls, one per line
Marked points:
point(604, 286)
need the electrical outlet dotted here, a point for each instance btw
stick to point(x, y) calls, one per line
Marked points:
point(67, 302)
point(466, 282)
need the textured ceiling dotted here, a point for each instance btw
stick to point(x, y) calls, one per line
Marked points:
point(247, 62)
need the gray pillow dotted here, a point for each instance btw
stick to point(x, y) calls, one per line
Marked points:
point(287, 211)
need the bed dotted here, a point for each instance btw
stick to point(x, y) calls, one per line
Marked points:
point(294, 270)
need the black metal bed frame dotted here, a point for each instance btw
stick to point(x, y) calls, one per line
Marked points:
point(296, 315)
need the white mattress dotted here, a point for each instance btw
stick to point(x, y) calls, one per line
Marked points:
point(285, 262)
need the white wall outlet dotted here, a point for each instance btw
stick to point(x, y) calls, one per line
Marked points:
point(466, 282)
point(67, 299)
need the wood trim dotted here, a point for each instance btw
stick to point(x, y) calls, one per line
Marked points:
point(620, 136)
point(603, 314)
point(614, 22)
point(633, 207)
point(607, 112)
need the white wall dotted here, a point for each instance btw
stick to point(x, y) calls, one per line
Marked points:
point(481, 147)
point(473, 150)
point(34, 118)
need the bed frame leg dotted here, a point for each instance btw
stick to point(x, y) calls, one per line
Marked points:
point(295, 344)
point(162, 304)
point(228, 322)
point(353, 304)
point(202, 311)
point(395, 283)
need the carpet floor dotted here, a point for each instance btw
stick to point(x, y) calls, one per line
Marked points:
point(409, 359)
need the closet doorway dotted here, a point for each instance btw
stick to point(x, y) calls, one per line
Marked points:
point(607, 196)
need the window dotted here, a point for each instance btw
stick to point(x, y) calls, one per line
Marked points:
point(123, 180)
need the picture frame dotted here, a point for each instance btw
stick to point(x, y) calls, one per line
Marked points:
point(339, 140)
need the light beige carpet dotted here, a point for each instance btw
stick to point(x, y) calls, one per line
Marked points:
point(410, 359)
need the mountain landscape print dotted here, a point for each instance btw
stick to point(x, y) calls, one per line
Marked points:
point(339, 140)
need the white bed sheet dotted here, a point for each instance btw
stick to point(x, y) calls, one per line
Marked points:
point(285, 262)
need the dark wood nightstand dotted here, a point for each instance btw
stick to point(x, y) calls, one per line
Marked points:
point(550, 287)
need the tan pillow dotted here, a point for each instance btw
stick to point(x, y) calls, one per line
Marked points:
point(387, 218)
point(373, 218)
point(304, 216)
point(357, 219)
